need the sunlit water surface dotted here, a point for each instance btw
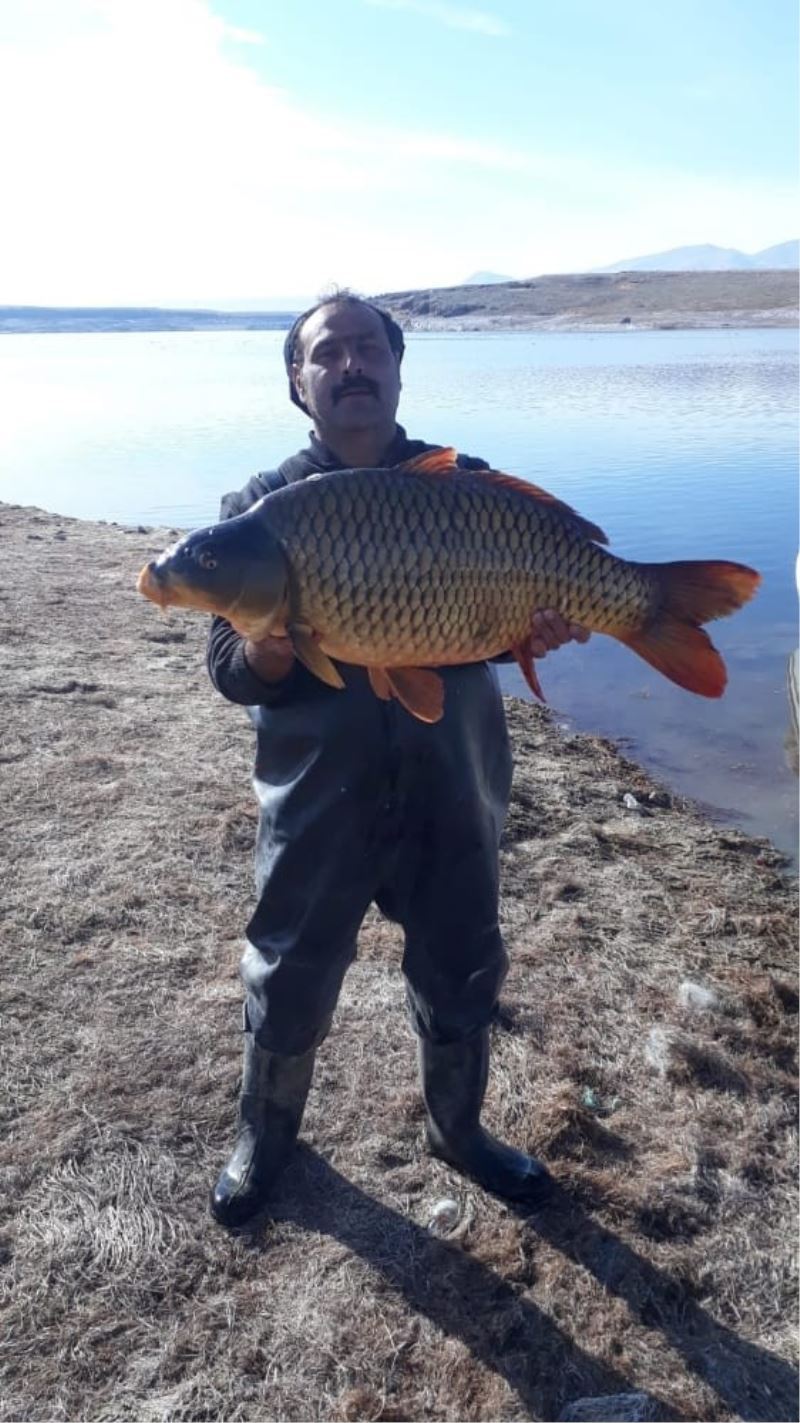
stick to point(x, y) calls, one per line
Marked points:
point(680, 444)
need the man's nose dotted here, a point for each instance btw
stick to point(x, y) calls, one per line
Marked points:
point(352, 362)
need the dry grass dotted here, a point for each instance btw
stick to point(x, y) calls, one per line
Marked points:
point(645, 1048)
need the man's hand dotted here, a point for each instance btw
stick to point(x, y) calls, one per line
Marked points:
point(271, 658)
point(550, 631)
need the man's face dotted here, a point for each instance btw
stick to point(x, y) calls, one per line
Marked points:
point(345, 371)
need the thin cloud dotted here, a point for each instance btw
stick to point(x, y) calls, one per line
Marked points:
point(477, 22)
point(153, 162)
point(240, 36)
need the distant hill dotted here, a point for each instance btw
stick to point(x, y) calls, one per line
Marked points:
point(708, 258)
point(485, 279)
point(605, 301)
point(785, 254)
point(136, 318)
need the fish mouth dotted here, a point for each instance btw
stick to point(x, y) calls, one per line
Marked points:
point(151, 584)
point(168, 589)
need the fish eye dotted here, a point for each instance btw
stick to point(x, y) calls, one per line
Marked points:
point(206, 560)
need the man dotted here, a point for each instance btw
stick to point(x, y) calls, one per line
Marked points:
point(361, 802)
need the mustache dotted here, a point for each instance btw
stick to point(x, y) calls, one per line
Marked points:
point(358, 383)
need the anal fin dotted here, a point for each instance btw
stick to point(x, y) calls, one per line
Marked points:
point(524, 656)
point(418, 689)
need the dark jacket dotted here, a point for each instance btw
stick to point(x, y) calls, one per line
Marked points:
point(226, 663)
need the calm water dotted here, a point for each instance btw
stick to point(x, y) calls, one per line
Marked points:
point(680, 444)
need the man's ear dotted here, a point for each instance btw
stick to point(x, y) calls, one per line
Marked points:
point(297, 380)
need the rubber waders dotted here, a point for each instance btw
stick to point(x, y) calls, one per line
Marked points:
point(274, 1092)
point(454, 1077)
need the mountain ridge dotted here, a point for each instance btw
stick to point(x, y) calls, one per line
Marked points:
point(706, 257)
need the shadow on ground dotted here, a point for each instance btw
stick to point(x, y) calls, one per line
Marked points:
point(506, 1332)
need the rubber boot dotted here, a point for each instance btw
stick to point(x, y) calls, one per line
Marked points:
point(454, 1077)
point(274, 1092)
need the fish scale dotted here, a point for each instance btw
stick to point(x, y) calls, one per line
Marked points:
point(465, 531)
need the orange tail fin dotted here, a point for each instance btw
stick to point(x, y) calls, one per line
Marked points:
point(673, 642)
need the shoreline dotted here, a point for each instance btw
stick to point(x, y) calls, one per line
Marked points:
point(580, 302)
point(780, 320)
point(750, 321)
point(639, 301)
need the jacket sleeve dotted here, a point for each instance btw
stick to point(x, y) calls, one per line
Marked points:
point(225, 658)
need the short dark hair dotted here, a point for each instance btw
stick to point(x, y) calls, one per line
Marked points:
point(339, 297)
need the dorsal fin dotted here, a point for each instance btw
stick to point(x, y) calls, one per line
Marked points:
point(535, 491)
point(443, 463)
point(432, 462)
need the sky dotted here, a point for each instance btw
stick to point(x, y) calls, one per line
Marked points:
point(222, 152)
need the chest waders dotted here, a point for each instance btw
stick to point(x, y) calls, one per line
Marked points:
point(360, 803)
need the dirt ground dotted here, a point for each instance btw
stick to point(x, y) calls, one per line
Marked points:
point(645, 1049)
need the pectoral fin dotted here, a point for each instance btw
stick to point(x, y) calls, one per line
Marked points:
point(308, 650)
point(418, 689)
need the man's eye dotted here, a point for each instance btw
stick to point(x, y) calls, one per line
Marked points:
point(207, 560)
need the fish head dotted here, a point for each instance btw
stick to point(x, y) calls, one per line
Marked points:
point(236, 570)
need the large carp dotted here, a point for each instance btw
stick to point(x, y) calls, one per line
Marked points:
point(422, 565)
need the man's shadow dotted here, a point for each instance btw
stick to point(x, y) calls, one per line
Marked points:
point(748, 1380)
point(511, 1336)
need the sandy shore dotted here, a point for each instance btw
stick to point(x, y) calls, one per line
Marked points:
point(645, 1049)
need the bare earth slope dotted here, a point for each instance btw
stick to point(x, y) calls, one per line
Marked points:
point(665, 1268)
point(605, 302)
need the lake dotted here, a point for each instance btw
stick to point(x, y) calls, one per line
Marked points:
point(679, 444)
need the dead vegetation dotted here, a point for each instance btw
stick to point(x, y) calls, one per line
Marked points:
point(646, 1048)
